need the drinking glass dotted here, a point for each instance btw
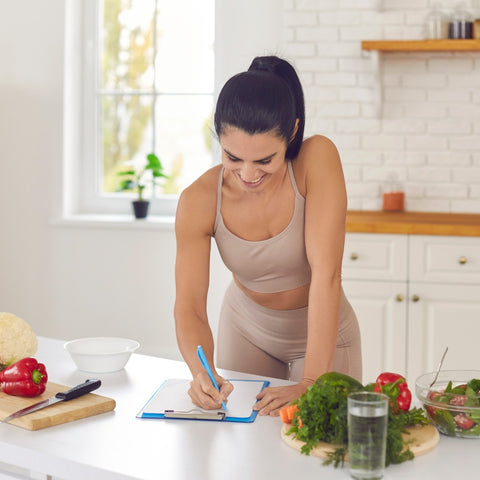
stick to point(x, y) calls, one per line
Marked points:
point(367, 434)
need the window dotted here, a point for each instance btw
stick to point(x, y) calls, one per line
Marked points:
point(147, 86)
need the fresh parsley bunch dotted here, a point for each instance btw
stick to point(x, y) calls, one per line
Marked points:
point(397, 450)
point(323, 411)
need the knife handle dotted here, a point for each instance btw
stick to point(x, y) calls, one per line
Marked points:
point(79, 390)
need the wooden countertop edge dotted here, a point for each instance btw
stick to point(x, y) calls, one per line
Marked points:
point(413, 223)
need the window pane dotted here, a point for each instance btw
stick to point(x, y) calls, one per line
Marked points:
point(127, 44)
point(126, 134)
point(156, 89)
point(185, 38)
point(183, 137)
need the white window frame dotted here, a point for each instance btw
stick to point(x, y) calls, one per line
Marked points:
point(82, 190)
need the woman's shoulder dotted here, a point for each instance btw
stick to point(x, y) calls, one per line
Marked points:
point(198, 201)
point(316, 144)
point(317, 155)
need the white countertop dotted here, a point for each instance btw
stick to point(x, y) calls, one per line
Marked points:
point(117, 445)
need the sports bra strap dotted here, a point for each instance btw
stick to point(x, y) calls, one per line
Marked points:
point(292, 178)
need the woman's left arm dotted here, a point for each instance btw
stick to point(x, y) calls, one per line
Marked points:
point(319, 168)
point(325, 213)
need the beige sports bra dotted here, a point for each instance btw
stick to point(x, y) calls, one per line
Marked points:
point(273, 265)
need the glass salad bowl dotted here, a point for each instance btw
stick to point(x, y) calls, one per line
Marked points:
point(452, 403)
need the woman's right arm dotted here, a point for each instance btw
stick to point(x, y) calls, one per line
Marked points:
point(193, 229)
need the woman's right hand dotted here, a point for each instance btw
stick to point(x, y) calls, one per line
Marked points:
point(205, 395)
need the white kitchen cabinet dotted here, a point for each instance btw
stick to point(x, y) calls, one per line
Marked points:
point(440, 259)
point(375, 283)
point(413, 296)
point(443, 316)
point(444, 303)
point(381, 313)
point(371, 256)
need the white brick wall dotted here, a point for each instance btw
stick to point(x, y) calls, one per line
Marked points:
point(428, 132)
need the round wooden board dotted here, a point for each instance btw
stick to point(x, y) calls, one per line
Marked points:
point(422, 438)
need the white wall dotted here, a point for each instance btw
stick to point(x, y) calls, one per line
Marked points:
point(30, 155)
point(244, 30)
point(70, 280)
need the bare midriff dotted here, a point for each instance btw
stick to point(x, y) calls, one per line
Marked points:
point(286, 300)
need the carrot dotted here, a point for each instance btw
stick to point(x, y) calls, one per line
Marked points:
point(287, 413)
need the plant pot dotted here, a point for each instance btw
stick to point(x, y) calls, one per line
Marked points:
point(140, 208)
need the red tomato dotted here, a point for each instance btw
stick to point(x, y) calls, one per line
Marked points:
point(463, 421)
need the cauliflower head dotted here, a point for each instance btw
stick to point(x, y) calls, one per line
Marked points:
point(17, 339)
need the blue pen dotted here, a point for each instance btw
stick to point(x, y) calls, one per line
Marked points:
point(206, 366)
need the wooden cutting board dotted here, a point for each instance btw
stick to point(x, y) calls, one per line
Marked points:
point(422, 438)
point(62, 412)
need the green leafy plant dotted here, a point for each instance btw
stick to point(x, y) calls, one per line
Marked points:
point(136, 179)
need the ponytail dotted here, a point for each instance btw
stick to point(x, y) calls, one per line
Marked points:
point(286, 71)
point(268, 97)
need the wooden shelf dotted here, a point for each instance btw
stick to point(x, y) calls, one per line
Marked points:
point(422, 45)
point(414, 223)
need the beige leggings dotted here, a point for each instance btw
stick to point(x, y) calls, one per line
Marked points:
point(272, 343)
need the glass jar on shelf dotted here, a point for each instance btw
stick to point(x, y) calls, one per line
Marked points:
point(461, 23)
point(436, 23)
point(476, 19)
point(393, 198)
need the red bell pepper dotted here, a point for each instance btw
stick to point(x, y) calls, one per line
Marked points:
point(25, 378)
point(394, 386)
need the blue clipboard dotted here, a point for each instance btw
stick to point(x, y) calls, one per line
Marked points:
point(171, 401)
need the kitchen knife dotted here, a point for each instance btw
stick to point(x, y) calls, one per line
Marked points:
point(75, 392)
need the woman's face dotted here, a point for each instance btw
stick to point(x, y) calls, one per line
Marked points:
point(253, 159)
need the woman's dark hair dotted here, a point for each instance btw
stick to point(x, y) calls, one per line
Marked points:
point(268, 97)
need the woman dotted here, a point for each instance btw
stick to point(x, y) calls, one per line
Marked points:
point(276, 207)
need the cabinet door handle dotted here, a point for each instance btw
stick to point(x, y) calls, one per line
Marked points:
point(354, 256)
point(462, 260)
point(415, 298)
point(399, 298)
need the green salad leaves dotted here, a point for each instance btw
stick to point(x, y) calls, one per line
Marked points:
point(450, 409)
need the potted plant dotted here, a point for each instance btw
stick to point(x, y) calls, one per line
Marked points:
point(136, 179)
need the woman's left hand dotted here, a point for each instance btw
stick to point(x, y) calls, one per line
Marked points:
point(272, 399)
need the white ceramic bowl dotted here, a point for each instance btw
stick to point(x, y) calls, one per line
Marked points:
point(101, 354)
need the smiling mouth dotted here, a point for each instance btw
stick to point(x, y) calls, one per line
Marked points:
point(254, 182)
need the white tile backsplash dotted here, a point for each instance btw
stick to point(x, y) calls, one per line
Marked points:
point(429, 126)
